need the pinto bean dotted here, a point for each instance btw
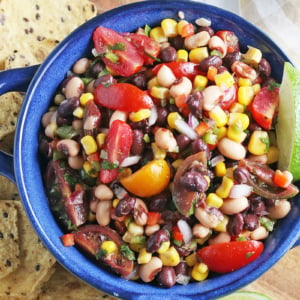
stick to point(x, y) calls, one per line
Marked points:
point(233, 206)
point(231, 149)
point(280, 209)
point(103, 216)
point(81, 65)
point(103, 192)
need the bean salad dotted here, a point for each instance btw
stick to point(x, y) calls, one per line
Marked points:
point(159, 152)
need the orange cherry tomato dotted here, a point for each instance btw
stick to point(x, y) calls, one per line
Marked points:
point(149, 180)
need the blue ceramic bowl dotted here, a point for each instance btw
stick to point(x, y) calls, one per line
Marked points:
point(27, 171)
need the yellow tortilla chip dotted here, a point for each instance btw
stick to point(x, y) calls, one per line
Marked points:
point(64, 286)
point(9, 239)
point(36, 262)
point(8, 190)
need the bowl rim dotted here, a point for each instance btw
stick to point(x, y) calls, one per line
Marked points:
point(67, 256)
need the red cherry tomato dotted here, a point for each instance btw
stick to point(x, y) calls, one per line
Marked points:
point(147, 47)
point(127, 60)
point(230, 256)
point(230, 39)
point(180, 69)
point(264, 106)
point(122, 96)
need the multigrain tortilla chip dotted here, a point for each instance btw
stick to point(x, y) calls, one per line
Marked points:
point(9, 239)
point(36, 262)
point(64, 286)
point(8, 190)
point(23, 26)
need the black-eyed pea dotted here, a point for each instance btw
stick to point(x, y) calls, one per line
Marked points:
point(81, 65)
point(200, 231)
point(103, 212)
point(165, 140)
point(233, 206)
point(46, 119)
point(222, 237)
point(207, 219)
point(151, 229)
point(74, 87)
point(231, 149)
point(181, 87)
point(68, 147)
point(140, 212)
point(149, 270)
point(211, 97)
point(199, 39)
point(103, 192)
point(216, 43)
point(118, 115)
point(165, 76)
point(260, 233)
point(75, 162)
point(280, 209)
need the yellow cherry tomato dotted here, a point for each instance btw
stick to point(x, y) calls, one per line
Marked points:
point(149, 180)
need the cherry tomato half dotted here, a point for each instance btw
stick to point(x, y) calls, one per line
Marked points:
point(127, 59)
point(122, 96)
point(264, 106)
point(230, 256)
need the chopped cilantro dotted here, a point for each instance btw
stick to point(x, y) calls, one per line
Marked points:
point(272, 85)
point(107, 165)
point(147, 29)
point(249, 254)
point(101, 253)
point(267, 223)
point(127, 252)
point(66, 132)
point(117, 46)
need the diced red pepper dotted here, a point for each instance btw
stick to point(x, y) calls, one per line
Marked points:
point(153, 218)
point(68, 239)
point(176, 234)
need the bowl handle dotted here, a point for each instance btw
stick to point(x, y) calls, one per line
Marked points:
point(17, 79)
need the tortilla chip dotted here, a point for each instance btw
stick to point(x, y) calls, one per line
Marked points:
point(36, 262)
point(64, 286)
point(9, 239)
point(8, 190)
point(23, 28)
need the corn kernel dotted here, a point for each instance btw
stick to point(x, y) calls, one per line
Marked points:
point(137, 243)
point(158, 153)
point(164, 247)
point(191, 260)
point(253, 56)
point(241, 118)
point(225, 187)
point(140, 115)
point(176, 163)
point(158, 35)
point(196, 55)
point(224, 78)
point(259, 142)
point(180, 26)
point(88, 168)
point(170, 258)
point(100, 138)
point(237, 108)
point(78, 112)
point(135, 229)
point(144, 257)
point(222, 132)
point(235, 132)
point(220, 169)
point(109, 247)
point(182, 55)
point(152, 82)
point(115, 202)
point(169, 27)
point(159, 92)
point(272, 155)
point(229, 172)
point(200, 272)
point(245, 95)
point(244, 82)
point(213, 200)
point(200, 82)
point(219, 116)
point(222, 225)
point(85, 98)
point(172, 117)
point(256, 88)
point(127, 236)
point(89, 144)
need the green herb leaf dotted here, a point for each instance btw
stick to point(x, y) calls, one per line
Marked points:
point(101, 253)
point(147, 29)
point(114, 58)
point(267, 223)
point(249, 254)
point(66, 132)
point(272, 85)
point(107, 165)
point(117, 46)
point(127, 252)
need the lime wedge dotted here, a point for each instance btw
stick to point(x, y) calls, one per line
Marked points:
point(244, 295)
point(288, 122)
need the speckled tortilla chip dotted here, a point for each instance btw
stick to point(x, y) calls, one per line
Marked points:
point(36, 262)
point(23, 28)
point(64, 286)
point(8, 190)
point(9, 239)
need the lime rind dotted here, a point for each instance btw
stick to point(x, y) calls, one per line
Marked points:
point(245, 295)
point(288, 121)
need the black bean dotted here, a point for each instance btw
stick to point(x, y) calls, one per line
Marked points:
point(45, 149)
point(104, 79)
point(168, 54)
point(230, 58)
point(258, 208)
point(167, 277)
point(194, 181)
point(181, 268)
point(236, 224)
point(182, 141)
point(210, 61)
point(154, 242)
point(177, 42)
point(138, 142)
point(162, 114)
point(264, 68)
point(60, 121)
point(199, 145)
point(96, 68)
point(250, 222)
point(158, 202)
point(140, 80)
point(125, 206)
point(67, 107)
point(195, 104)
